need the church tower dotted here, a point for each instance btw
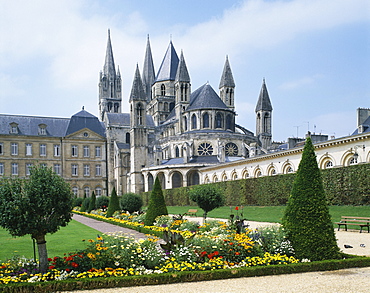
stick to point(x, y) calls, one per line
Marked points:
point(227, 86)
point(148, 72)
point(182, 91)
point(264, 118)
point(138, 134)
point(110, 85)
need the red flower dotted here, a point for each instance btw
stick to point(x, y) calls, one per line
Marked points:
point(75, 265)
point(51, 267)
point(68, 270)
point(237, 253)
point(237, 208)
point(203, 253)
point(49, 259)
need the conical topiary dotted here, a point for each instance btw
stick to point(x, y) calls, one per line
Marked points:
point(92, 202)
point(156, 206)
point(84, 205)
point(306, 219)
point(113, 203)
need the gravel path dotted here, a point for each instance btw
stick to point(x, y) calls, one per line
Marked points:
point(355, 280)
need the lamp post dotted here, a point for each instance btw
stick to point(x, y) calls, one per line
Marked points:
point(355, 155)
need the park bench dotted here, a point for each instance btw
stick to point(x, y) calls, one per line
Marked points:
point(191, 212)
point(355, 221)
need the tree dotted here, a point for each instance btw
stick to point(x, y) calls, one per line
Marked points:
point(113, 203)
point(131, 202)
point(92, 202)
point(306, 219)
point(208, 197)
point(37, 206)
point(84, 204)
point(156, 206)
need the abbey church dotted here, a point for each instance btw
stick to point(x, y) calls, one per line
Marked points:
point(173, 130)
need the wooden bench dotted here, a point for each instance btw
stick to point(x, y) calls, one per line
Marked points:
point(355, 221)
point(192, 212)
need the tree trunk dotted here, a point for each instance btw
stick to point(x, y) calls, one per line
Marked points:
point(43, 253)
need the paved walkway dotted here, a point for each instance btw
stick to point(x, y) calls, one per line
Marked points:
point(355, 280)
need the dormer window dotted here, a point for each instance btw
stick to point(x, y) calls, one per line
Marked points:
point(42, 129)
point(13, 128)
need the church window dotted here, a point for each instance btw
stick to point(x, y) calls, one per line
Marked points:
point(172, 105)
point(231, 149)
point(182, 92)
point(219, 121)
point(116, 107)
point(165, 107)
point(205, 120)
point(110, 106)
point(266, 122)
point(205, 149)
point(127, 137)
point(193, 121)
point(193, 178)
point(111, 89)
point(177, 152)
point(231, 97)
point(163, 90)
point(227, 96)
point(139, 114)
point(150, 182)
point(229, 122)
point(176, 180)
point(353, 161)
point(185, 123)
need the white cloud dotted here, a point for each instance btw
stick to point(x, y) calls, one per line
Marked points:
point(301, 82)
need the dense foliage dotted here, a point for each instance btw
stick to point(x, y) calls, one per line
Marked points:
point(113, 203)
point(131, 202)
point(208, 197)
point(307, 220)
point(156, 206)
point(343, 186)
point(92, 202)
point(102, 202)
point(36, 206)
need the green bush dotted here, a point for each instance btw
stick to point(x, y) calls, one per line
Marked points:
point(208, 197)
point(307, 220)
point(102, 202)
point(113, 203)
point(92, 203)
point(157, 206)
point(85, 204)
point(77, 201)
point(131, 202)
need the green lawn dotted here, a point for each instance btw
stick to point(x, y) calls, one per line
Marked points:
point(272, 213)
point(67, 239)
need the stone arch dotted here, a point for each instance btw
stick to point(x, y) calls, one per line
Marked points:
point(271, 170)
point(234, 175)
point(150, 181)
point(287, 168)
point(257, 172)
point(162, 179)
point(223, 176)
point(176, 179)
point(245, 173)
point(193, 177)
point(326, 161)
point(348, 159)
point(206, 179)
point(214, 178)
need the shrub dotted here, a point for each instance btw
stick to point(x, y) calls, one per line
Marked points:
point(208, 197)
point(131, 202)
point(157, 206)
point(307, 219)
point(85, 204)
point(92, 202)
point(77, 201)
point(102, 202)
point(113, 203)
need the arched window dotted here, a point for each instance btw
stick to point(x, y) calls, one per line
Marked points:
point(163, 90)
point(266, 122)
point(194, 122)
point(219, 121)
point(150, 182)
point(227, 96)
point(231, 97)
point(139, 114)
point(193, 178)
point(116, 107)
point(328, 164)
point(176, 180)
point(75, 190)
point(87, 191)
point(205, 120)
point(182, 92)
point(185, 123)
point(127, 137)
point(165, 107)
point(229, 122)
point(177, 152)
point(110, 105)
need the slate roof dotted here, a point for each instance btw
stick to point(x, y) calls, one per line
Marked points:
point(227, 78)
point(29, 125)
point(84, 119)
point(205, 98)
point(264, 102)
point(182, 73)
point(365, 126)
point(168, 68)
point(123, 146)
point(137, 90)
point(123, 119)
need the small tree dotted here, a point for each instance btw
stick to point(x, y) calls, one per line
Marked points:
point(208, 197)
point(37, 206)
point(306, 219)
point(92, 202)
point(113, 203)
point(131, 202)
point(84, 204)
point(102, 202)
point(156, 206)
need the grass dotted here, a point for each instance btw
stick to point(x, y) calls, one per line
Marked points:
point(272, 214)
point(67, 239)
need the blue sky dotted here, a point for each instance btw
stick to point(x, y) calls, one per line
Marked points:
point(314, 55)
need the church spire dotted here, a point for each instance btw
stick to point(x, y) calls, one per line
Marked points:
point(109, 68)
point(168, 68)
point(263, 103)
point(137, 90)
point(182, 74)
point(148, 71)
point(227, 85)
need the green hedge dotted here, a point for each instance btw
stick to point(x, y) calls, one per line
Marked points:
point(179, 277)
point(343, 186)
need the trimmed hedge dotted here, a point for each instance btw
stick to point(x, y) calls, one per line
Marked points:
point(343, 186)
point(179, 277)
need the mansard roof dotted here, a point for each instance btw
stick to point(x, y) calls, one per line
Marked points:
point(264, 103)
point(227, 79)
point(29, 125)
point(365, 127)
point(84, 119)
point(182, 73)
point(205, 98)
point(109, 68)
point(168, 68)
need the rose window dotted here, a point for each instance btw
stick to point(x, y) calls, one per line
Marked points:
point(205, 149)
point(231, 149)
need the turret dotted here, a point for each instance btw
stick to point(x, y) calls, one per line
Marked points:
point(264, 117)
point(148, 72)
point(227, 85)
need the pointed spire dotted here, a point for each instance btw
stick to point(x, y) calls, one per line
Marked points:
point(118, 71)
point(109, 68)
point(168, 68)
point(227, 79)
point(137, 90)
point(182, 73)
point(148, 70)
point(264, 103)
